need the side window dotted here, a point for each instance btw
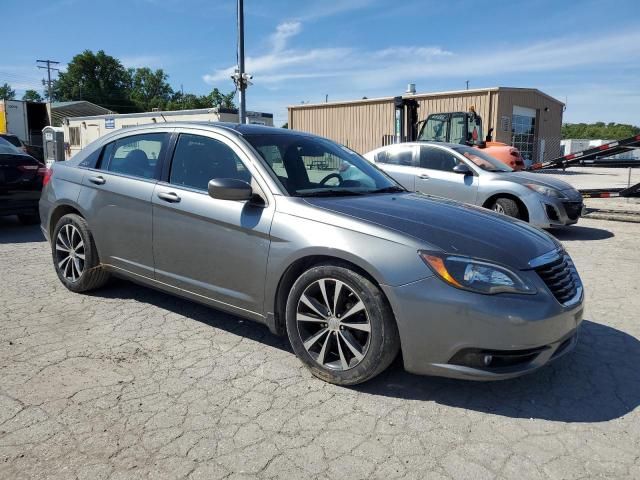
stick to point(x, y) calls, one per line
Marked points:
point(397, 156)
point(457, 128)
point(437, 159)
point(199, 159)
point(137, 155)
point(91, 160)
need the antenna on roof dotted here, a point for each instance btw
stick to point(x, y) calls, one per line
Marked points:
point(162, 115)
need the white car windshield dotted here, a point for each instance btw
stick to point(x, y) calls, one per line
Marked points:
point(482, 160)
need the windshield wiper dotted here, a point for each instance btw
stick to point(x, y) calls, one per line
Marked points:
point(390, 189)
point(329, 192)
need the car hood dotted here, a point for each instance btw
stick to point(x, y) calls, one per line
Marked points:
point(447, 225)
point(537, 178)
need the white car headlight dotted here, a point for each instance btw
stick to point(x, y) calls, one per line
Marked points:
point(475, 275)
point(546, 191)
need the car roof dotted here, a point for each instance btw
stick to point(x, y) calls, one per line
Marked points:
point(238, 128)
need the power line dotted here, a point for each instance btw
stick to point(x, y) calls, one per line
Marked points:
point(48, 68)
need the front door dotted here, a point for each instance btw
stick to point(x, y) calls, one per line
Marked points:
point(214, 248)
point(435, 176)
point(118, 195)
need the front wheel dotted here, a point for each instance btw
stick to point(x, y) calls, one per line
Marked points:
point(508, 207)
point(340, 325)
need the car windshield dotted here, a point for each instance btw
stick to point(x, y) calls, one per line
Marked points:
point(312, 166)
point(7, 148)
point(482, 160)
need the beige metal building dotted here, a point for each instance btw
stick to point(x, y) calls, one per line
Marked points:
point(523, 117)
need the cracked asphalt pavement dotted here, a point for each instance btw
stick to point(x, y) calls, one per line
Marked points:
point(131, 383)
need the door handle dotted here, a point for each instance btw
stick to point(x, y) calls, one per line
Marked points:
point(424, 176)
point(97, 180)
point(169, 197)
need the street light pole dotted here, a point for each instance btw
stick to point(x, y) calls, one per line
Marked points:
point(242, 113)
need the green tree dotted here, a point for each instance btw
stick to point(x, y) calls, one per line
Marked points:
point(599, 130)
point(150, 89)
point(6, 92)
point(285, 125)
point(32, 96)
point(98, 78)
point(218, 99)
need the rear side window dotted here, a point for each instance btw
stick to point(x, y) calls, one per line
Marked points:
point(437, 159)
point(137, 155)
point(198, 159)
point(397, 156)
point(12, 139)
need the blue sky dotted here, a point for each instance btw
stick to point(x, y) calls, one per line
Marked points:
point(584, 52)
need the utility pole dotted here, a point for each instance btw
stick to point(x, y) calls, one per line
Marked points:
point(467, 84)
point(242, 113)
point(240, 77)
point(48, 68)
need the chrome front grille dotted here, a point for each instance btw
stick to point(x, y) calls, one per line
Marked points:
point(561, 278)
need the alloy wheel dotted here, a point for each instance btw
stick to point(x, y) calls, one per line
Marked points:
point(333, 324)
point(70, 252)
point(498, 208)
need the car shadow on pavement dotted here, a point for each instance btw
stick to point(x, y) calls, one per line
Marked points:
point(596, 382)
point(576, 232)
point(12, 231)
point(125, 290)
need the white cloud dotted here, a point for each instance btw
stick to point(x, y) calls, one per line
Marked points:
point(286, 74)
point(283, 32)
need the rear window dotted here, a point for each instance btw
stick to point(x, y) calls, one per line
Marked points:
point(12, 139)
point(6, 147)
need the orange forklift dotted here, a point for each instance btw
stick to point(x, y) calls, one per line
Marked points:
point(451, 127)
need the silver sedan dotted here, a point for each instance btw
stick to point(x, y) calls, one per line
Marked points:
point(307, 237)
point(469, 175)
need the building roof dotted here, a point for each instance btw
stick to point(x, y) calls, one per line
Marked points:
point(79, 108)
point(169, 113)
point(428, 95)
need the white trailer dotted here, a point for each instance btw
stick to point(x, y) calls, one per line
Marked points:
point(24, 119)
point(81, 131)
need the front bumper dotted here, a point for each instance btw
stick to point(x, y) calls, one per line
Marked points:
point(546, 212)
point(438, 324)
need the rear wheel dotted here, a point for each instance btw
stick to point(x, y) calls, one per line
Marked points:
point(75, 256)
point(340, 325)
point(507, 206)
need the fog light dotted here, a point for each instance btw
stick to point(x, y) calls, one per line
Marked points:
point(487, 360)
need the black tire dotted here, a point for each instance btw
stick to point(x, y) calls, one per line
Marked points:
point(508, 207)
point(383, 341)
point(92, 274)
point(29, 218)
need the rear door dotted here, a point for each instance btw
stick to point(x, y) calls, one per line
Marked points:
point(117, 198)
point(400, 162)
point(214, 248)
point(435, 176)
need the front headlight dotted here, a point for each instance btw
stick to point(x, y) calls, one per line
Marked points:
point(546, 191)
point(475, 275)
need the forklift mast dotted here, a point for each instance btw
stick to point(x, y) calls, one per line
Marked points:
point(405, 120)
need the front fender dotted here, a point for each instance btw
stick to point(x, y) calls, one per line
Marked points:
point(294, 238)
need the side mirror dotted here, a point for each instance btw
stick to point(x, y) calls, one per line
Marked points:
point(462, 169)
point(229, 189)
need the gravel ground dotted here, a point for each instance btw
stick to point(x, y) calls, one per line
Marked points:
point(131, 383)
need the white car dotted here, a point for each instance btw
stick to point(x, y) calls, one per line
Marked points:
point(468, 175)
